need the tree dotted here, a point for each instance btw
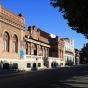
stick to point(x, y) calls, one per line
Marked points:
point(84, 54)
point(76, 12)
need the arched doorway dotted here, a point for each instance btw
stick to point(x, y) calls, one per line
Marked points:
point(6, 66)
point(15, 66)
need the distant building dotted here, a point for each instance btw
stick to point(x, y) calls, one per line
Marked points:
point(69, 51)
point(77, 57)
point(84, 54)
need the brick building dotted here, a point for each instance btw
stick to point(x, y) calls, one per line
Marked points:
point(27, 49)
point(12, 29)
point(37, 46)
point(57, 51)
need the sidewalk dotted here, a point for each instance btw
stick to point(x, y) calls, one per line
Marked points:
point(6, 73)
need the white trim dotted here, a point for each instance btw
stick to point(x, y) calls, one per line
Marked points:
point(33, 41)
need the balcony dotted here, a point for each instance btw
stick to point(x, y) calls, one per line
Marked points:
point(33, 57)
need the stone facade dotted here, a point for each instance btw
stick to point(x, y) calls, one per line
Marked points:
point(57, 47)
point(38, 43)
point(57, 50)
point(12, 31)
point(69, 51)
point(13, 25)
point(15, 40)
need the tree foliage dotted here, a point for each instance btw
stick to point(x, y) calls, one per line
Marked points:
point(76, 12)
point(84, 53)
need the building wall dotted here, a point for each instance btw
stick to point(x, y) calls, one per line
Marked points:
point(35, 47)
point(57, 48)
point(37, 41)
point(69, 51)
point(38, 34)
point(11, 24)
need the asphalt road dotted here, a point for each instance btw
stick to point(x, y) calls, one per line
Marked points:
point(70, 77)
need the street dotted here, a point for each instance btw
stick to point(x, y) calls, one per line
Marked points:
point(69, 77)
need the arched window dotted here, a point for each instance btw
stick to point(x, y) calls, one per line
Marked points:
point(6, 42)
point(15, 44)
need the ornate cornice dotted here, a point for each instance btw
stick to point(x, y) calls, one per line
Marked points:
point(12, 19)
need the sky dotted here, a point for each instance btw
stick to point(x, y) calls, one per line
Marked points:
point(41, 14)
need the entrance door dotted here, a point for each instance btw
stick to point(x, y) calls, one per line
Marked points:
point(34, 66)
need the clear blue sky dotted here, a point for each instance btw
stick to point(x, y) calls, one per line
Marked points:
point(44, 16)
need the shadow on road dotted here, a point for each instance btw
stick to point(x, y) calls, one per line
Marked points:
point(69, 77)
point(74, 78)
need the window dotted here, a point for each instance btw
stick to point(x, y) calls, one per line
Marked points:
point(39, 64)
point(28, 65)
point(51, 64)
point(6, 66)
point(15, 66)
point(15, 44)
point(54, 64)
point(44, 64)
point(27, 48)
point(35, 49)
point(57, 64)
point(6, 42)
point(62, 64)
